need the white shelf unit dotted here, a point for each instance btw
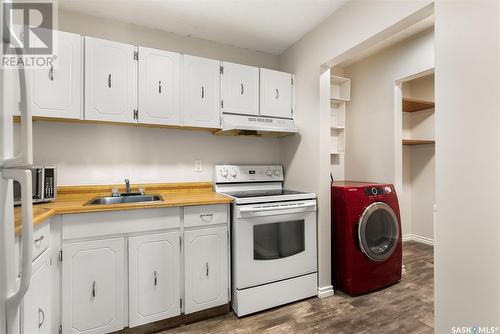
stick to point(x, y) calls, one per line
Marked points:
point(337, 139)
point(337, 115)
point(340, 93)
point(340, 89)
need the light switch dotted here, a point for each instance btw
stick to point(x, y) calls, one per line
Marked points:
point(198, 165)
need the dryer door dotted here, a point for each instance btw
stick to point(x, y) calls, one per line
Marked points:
point(378, 231)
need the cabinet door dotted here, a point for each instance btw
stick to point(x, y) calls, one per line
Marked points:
point(201, 92)
point(36, 309)
point(275, 93)
point(240, 89)
point(154, 282)
point(159, 87)
point(110, 81)
point(57, 91)
point(93, 286)
point(206, 268)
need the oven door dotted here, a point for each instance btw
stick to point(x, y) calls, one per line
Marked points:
point(273, 241)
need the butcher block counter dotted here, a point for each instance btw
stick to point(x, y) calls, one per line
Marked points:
point(72, 199)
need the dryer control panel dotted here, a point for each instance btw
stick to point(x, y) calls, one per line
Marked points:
point(378, 190)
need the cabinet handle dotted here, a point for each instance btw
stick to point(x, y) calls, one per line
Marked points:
point(206, 216)
point(51, 73)
point(207, 269)
point(93, 289)
point(38, 241)
point(109, 80)
point(41, 317)
point(277, 93)
point(202, 92)
point(159, 87)
point(242, 89)
point(155, 278)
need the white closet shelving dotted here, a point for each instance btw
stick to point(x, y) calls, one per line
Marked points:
point(340, 93)
point(417, 195)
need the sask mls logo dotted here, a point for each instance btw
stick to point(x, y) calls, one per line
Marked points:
point(27, 33)
point(474, 330)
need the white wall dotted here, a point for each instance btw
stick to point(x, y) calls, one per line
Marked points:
point(423, 191)
point(307, 156)
point(103, 154)
point(467, 251)
point(370, 117)
point(100, 154)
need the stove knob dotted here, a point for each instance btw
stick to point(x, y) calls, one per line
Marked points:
point(223, 172)
point(277, 172)
point(234, 172)
point(269, 172)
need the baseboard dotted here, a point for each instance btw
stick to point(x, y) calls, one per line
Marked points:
point(407, 237)
point(325, 291)
point(418, 238)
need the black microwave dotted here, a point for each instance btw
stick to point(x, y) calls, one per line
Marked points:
point(44, 185)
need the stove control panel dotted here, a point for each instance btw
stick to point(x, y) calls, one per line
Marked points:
point(240, 174)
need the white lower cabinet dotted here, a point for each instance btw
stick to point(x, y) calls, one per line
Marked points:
point(93, 286)
point(36, 307)
point(97, 283)
point(154, 277)
point(206, 268)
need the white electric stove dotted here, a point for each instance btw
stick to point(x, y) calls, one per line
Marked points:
point(273, 233)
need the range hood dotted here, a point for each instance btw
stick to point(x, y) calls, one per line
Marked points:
point(244, 125)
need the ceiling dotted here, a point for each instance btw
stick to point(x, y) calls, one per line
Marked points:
point(269, 26)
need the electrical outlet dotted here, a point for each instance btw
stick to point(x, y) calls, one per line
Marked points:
point(198, 165)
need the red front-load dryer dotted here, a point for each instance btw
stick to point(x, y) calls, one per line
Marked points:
point(366, 237)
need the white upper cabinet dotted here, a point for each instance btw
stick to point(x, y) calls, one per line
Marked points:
point(206, 268)
point(240, 89)
point(93, 286)
point(159, 87)
point(201, 92)
point(154, 281)
point(57, 91)
point(275, 93)
point(110, 81)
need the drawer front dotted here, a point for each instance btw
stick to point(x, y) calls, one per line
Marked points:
point(100, 224)
point(203, 215)
point(41, 240)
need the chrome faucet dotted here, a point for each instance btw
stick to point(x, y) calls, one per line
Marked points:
point(127, 186)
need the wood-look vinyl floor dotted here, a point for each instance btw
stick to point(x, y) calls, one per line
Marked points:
point(404, 308)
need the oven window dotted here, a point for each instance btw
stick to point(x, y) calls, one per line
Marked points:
point(278, 240)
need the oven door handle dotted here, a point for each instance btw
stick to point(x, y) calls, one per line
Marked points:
point(281, 207)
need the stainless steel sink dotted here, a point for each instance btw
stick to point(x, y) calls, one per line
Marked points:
point(124, 199)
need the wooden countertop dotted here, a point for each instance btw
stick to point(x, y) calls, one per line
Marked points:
point(72, 199)
point(39, 216)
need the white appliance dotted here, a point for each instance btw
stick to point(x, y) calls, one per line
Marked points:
point(246, 124)
point(14, 167)
point(273, 234)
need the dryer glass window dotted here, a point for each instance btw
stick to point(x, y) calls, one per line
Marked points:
point(378, 231)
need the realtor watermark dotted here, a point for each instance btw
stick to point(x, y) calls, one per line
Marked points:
point(28, 34)
point(474, 330)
